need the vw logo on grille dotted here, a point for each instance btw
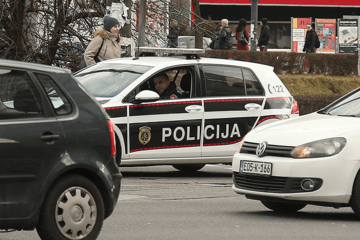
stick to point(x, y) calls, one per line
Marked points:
point(261, 148)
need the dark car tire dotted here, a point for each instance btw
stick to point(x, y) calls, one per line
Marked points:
point(58, 213)
point(188, 167)
point(283, 207)
point(355, 197)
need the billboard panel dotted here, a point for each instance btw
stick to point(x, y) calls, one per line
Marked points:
point(298, 33)
point(348, 35)
point(326, 31)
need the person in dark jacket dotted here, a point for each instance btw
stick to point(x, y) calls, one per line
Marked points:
point(310, 39)
point(264, 35)
point(165, 88)
point(173, 34)
point(216, 40)
point(225, 35)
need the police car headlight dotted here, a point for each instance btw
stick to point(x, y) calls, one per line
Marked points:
point(321, 148)
point(240, 145)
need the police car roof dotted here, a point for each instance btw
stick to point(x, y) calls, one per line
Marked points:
point(170, 61)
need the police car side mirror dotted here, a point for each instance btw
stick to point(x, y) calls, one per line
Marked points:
point(146, 96)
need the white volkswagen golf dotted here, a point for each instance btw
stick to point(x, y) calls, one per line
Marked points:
point(217, 102)
point(313, 159)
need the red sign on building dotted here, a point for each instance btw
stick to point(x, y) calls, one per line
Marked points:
point(303, 22)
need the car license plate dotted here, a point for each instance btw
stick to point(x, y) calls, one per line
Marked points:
point(259, 168)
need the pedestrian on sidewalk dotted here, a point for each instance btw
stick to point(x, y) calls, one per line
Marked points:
point(264, 35)
point(105, 44)
point(242, 29)
point(310, 39)
point(225, 35)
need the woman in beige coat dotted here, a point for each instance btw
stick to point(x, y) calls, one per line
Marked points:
point(109, 38)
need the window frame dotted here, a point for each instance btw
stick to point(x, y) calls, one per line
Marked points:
point(36, 87)
point(203, 80)
point(193, 69)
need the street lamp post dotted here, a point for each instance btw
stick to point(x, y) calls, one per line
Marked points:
point(254, 22)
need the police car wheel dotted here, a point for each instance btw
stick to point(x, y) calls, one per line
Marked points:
point(188, 167)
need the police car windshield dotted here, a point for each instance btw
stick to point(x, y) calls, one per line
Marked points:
point(110, 80)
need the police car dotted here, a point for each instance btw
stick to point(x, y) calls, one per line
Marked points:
point(221, 101)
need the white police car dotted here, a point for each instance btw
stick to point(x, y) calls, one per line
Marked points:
point(313, 159)
point(222, 100)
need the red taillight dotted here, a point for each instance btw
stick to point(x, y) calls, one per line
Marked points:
point(295, 108)
point(112, 136)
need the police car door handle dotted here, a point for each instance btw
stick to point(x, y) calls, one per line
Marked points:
point(193, 108)
point(252, 106)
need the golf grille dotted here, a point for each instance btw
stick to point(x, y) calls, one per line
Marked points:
point(271, 150)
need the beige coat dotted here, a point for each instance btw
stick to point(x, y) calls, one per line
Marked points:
point(110, 49)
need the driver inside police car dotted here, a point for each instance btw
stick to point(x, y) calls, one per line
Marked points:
point(166, 88)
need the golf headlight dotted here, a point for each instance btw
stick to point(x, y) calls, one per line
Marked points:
point(321, 148)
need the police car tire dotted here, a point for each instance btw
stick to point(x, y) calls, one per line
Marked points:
point(188, 167)
point(283, 207)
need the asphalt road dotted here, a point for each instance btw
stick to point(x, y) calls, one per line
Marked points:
point(163, 203)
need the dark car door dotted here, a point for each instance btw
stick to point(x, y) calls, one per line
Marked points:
point(31, 142)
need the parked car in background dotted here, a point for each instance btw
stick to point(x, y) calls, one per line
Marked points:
point(313, 159)
point(57, 166)
point(189, 42)
point(221, 101)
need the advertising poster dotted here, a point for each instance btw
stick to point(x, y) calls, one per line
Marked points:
point(298, 30)
point(326, 31)
point(348, 35)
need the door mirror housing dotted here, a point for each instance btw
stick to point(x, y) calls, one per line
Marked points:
point(146, 96)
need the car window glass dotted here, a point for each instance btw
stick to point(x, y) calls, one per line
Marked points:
point(19, 97)
point(60, 103)
point(253, 87)
point(224, 81)
point(182, 78)
point(109, 82)
point(348, 106)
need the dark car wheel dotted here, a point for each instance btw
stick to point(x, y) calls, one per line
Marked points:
point(283, 207)
point(73, 209)
point(188, 167)
point(355, 198)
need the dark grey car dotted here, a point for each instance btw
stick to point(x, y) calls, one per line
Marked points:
point(58, 171)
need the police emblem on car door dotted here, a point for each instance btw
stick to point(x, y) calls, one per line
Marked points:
point(144, 135)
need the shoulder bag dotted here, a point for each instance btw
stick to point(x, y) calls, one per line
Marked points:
point(242, 38)
point(83, 63)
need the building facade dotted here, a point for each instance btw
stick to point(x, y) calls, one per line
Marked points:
point(278, 13)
